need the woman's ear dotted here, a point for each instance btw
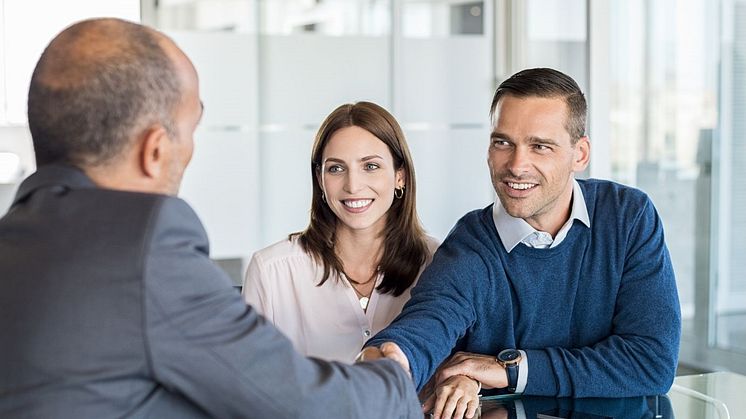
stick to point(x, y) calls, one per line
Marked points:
point(401, 178)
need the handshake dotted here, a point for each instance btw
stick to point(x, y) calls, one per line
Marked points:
point(453, 391)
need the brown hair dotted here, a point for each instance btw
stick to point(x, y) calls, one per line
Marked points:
point(404, 246)
point(547, 83)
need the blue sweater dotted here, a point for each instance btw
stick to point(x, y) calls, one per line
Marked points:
point(598, 315)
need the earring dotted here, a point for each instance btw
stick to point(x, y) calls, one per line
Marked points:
point(323, 196)
point(399, 192)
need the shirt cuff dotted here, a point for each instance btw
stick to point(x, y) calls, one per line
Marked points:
point(522, 373)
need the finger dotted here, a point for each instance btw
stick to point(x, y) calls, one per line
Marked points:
point(450, 406)
point(472, 407)
point(440, 402)
point(461, 406)
point(429, 403)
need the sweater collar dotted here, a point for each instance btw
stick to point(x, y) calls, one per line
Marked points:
point(513, 231)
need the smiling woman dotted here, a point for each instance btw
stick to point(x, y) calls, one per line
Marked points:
point(343, 279)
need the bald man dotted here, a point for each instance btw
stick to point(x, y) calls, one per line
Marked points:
point(109, 304)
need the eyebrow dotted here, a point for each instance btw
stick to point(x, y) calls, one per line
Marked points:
point(531, 140)
point(540, 140)
point(366, 158)
point(497, 134)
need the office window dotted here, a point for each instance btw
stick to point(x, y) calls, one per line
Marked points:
point(554, 35)
point(677, 132)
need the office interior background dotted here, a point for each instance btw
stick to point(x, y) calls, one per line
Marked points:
point(665, 81)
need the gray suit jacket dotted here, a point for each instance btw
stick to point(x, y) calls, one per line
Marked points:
point(111, 307)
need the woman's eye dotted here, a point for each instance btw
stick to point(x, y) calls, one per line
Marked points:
point(371, 166)
point(335, 169)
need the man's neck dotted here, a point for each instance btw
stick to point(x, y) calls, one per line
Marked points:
point(120, 177)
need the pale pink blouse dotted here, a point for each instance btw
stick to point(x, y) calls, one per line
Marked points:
point(325, 322)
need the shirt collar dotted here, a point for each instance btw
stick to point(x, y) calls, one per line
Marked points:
point(513, 230)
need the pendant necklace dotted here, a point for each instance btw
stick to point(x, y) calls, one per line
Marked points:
point(362, 298)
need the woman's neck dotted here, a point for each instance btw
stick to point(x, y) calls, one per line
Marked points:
point(359, 251)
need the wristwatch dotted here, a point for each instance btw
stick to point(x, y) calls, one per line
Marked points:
point(510, 359)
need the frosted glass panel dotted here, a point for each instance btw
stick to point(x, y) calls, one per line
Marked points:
point(222, 181)
point(286, 183)
point(304, 77)
point(452, 175)
point(444, 81)
point(556, 37)
point(228, 73)
point(330, 17)
point(221, 184)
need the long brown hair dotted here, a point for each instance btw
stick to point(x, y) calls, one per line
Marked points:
point(404, 246)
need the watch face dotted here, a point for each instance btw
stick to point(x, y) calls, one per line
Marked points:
point(509, 355)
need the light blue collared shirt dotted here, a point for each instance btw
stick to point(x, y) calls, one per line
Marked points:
point(513, 231)
point(516, 230)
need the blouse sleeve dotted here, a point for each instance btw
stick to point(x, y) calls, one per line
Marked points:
point(256, 289)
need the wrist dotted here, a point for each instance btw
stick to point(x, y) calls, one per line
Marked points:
point(510, 360)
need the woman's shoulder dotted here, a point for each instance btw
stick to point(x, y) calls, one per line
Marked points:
point(432, 244)
point(284, 251)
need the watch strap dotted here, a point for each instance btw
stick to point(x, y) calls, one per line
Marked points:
point(512, 371)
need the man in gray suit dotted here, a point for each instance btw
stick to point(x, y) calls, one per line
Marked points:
point(109, 304)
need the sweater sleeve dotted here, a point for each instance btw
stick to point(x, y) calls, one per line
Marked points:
point(640, 355)
point(442, 304)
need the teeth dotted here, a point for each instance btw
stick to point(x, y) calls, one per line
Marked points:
point(358, 203)
point(521, 186)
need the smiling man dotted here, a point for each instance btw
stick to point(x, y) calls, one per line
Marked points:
point(562, 287)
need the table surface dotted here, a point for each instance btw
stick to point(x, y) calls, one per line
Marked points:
point(719, 395)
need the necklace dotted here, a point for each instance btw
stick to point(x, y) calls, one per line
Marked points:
point(362, 298)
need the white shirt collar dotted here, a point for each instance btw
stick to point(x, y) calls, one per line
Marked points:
point(513, 231)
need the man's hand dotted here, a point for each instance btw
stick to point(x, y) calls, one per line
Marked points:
point(483, 368)
point(386, 350)
point(457, 397)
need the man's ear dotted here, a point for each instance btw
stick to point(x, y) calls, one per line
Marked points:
point(153, 149)
point(582, 154)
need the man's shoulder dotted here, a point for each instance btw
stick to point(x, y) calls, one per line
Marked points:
point(473, 234)
point(474, 218)
point(600, 192)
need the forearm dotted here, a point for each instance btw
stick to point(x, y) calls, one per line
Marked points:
point(615, 367)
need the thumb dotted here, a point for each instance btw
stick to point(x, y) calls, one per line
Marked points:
point(392, 351)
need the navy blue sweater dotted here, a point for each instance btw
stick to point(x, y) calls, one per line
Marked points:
point(598, 315)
